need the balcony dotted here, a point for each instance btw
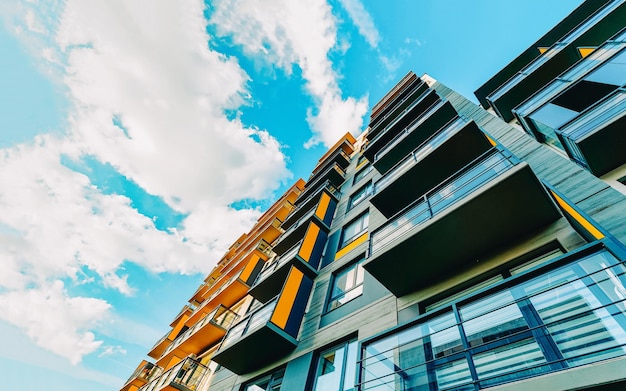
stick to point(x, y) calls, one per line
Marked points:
point(271, 279)
point(339, 157)
point(405, 119)
point(206, 332)
point(185, 376)
point(596, 139)
point(416, 92)
point(268, 333)
point(144, 372)
point(309, 224)
point(493, 200)
point(423, 127)
point(391, 99)
point(333, 174)
point(441, 155)
point(313, 199)
point(596, 29)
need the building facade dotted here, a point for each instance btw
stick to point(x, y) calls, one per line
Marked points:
point(448, 248)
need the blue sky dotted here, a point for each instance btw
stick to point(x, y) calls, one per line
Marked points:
point(139, 139)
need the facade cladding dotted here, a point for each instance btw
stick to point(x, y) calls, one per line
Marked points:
point(445, 249)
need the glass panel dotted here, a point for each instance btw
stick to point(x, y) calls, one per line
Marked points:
point(510, 362)
point(347, 285)
point(474, 288)
point(354, 229)
point(329, 370)
point(613, 72)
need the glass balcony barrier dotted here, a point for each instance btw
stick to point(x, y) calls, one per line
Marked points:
point(185, 376)
point(144, 374)
point(418, 154)
point(278, 262)
point(333, 174)
point(221, 317)
point(489, 166)
point(251, 322)
point(408, 96)
point(408, 81)
point(400, 115)
point(409, 128)
point(306, 203)
point(555, 49)
point(327, 162)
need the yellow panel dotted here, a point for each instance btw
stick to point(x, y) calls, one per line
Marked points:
point(585, 51)
point(361, 239)
point(542, 50)
point(309, 242)
point(287, 298)
point(178, 327)
point(322, 207)
point(173, 361)
point(577, 216)
point(491, 141)
point(245, 274)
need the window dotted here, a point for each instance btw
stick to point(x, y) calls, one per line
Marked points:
point(362, 173)
point(354, 229)
point(346, 285)
point(360, 195)
point(336, 368)
point(361, 160)
point(268, 383)
point(569, 316)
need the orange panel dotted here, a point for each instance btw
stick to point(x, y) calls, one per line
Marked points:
point(309, 242)
point(322, 207)
point(578, 217)
point(287, 298)
point(245, 274)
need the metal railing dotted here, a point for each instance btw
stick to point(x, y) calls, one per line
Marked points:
point(251, 322)
point(483, 170)
point(145, 372)
point(419, 153)
point(278, 262)
point(396, 104)
point(313, 186)
point(185, 375)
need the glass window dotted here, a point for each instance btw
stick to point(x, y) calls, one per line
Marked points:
point(268, 383)
point(336, 368)
point(362, 173)
point(354, 229)
point(360, 195)
point(346, 285)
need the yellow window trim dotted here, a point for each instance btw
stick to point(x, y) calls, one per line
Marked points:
point(578, 217)
point(356, 242)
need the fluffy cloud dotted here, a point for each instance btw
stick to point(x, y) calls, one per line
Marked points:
point(302, 33)
point(362, 20)
point(148, 97)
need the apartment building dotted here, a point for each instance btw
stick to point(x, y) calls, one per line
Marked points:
point(447, 248)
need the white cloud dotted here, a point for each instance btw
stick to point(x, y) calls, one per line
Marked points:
point(112, 351)
point(287, 33)
point(148, 64)
point(362, 20)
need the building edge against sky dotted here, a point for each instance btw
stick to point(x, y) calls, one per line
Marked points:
point(450, 247)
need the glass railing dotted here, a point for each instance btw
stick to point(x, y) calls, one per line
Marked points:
point(489, 166)
point(598, 116)
point(145, 372)
point(163, 338)
point(302, 204)
point(399, 117)
point(396, 104)
point(278, 262)
point(418, 154)
point(556, 48)
point(389, 100)
point(300, 221)
point(221, 317)
point(409, 129)
point(339, 152)
point(251, 322)
point(186, 375)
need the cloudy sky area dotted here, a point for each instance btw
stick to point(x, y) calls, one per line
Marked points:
point(140, 138)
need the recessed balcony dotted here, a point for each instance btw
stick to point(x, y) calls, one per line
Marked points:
point(417, 109)
point(184, 376)
point(493, 200)
point(596, 139)
point(379, 125)
point(339, 157)
point(144, 372)
point(441, 155)
point(422, 128)
point(333, 174)
point(206, 332)
point(303, 256)
point(268, 333)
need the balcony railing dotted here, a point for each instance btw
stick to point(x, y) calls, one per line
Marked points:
point(487, 167)
point(312, 187)
point(396, 104)
point(145, 372)
point(410, 128)
point(251, 322)
point(418, 154)
point(186, 376)
point(278, 262)
point(221, 317)
point(318, 169)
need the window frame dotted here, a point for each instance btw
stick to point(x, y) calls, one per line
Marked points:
point(362, 173)
point(367, 189)
point(357, 266)
point(349, 346)
point(343, 242)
